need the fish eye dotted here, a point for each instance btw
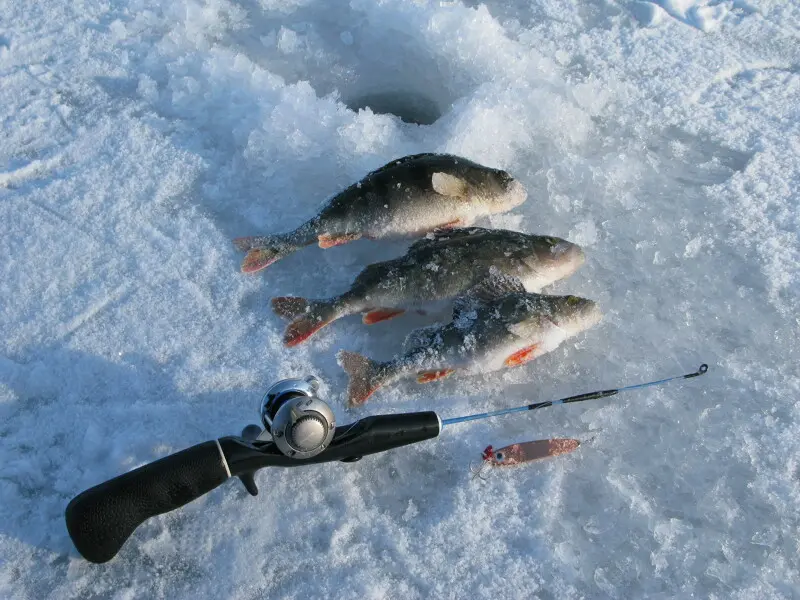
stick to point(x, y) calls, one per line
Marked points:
point(499, 456)
point(573, 300)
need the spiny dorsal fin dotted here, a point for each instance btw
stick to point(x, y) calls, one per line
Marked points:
point(439, 236)
point(401, 161)
point(493, 286)
point(449, 185)
point(496, 284)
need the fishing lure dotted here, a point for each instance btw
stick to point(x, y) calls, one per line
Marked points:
point(524, 452)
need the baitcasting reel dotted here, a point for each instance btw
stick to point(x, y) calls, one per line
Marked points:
point(298, 429)
point(299, 423)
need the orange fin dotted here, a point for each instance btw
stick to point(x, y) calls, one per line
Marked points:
point(450, 225)
point(381, 314)
point(259, 258)
point(329, 241)
point(428, 376)
point(366, 376)
point(301, 329)
point(520, 357)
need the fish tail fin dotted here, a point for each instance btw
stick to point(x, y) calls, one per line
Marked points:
point(309, 316)
point(366, 376)
point(263, 250)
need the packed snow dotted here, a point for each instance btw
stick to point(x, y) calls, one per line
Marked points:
point(140, 137)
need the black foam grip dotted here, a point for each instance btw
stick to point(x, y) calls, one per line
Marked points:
point(100, 519)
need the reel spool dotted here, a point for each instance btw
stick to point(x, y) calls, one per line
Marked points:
point(301, 424)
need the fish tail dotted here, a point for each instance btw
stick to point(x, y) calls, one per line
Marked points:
point(366, 376)
point(308, 316)
point(263, 250)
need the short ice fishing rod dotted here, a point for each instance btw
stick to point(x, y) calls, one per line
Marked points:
point(299, 429)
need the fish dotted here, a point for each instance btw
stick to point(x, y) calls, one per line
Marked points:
point(438, 267)
point(496, 324)
point(406, 197)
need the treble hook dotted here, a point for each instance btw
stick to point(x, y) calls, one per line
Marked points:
point(478, 472)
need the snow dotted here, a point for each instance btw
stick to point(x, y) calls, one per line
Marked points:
point(139, 137)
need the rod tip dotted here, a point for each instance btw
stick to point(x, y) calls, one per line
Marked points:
point(703, 368)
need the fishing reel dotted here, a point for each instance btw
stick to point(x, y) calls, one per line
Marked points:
point(299, 422)
point(299, 429)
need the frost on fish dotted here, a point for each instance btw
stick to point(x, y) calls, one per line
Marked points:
point(406, 197)
point(436, 268)
point(496, 324)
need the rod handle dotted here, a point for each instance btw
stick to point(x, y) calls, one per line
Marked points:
point(100, 519)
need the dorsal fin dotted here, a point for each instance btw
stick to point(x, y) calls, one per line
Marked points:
point(438, 236)
point(493, 286)
point(401, 161)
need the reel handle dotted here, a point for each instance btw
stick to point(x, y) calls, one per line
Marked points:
point(102, 518)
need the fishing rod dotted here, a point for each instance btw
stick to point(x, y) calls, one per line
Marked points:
point(579, 398)
point(299, 428)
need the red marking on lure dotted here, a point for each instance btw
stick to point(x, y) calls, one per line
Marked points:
point(329, 241)
point(523, 452)
point(520, 357)
point(428, 376)
point(381, 314)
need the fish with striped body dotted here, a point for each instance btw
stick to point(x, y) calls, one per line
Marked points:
point(496, 324)
point(439, 267)
point(406, 197)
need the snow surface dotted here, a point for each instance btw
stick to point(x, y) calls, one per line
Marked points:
point(139, 137)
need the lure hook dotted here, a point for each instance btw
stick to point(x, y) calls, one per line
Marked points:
point(487, 455)
point(479, 471)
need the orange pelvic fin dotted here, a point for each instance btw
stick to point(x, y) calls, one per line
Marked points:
point(450, 225)
point(428, 376)
point(381, 314)
point(520, 357)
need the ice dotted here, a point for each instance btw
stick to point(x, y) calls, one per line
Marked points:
point(138, 139)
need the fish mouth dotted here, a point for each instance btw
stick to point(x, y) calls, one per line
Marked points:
point(515, 195)
point(567, 253)
point(589, 315)
point(568, 250)
point(581, 314)
point(558, 257)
